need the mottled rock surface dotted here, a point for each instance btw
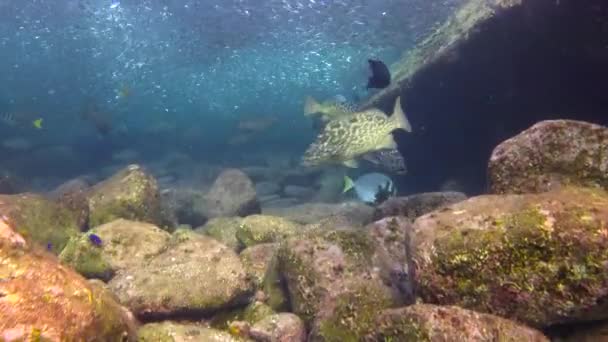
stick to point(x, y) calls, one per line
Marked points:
point(281, 327)
point(551, 154)
point(257, 229)
point(424, 322)
point(417, 205)
point(41, 299)
point(538, 258)
point(223, 229)
point(176, 332)
point(315, 212)
point(232, 194)
point(39, 220)
point(195, 275)
point(130, 194)
point(256, 260)
point(125, 244)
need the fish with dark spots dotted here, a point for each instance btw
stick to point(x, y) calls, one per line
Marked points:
point(381, 76)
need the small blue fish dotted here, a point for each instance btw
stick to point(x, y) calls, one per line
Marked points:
point(95, 240)
point(49, 246)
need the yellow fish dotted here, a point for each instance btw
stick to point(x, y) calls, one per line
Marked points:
point(37, 123)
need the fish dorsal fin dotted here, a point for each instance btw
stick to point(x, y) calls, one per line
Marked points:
point(399, 117)
point(351, 163)
point(348, 184)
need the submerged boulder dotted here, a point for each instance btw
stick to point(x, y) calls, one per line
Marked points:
point(425, 322)
point(257, 259)
point(40, 220)
point(539, 258)
point(41, 299)
point(281, 327)
point(176, 332)
point(131, 194)
point(257, 229)
point(195, 275)
point(124, 244)
point(232, 194)
point(315, 212)
point(417, 205)
point(223, 229)
point(551, 154)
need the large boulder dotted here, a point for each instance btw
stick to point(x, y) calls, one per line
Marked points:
point(333, 283)
point(40, 220)
point(195, 275)
point(315, 212)
point(232, 194)
point(125, 244)
point(175, 332)
point(417, 205)
point(281, 327)
point(43, 300)
point(257, 260)
point(72, 195)
point(538, 258)
point(425, 322)
point(257, 229)
point(223, 229)
point(551, 154)
point(131, 194)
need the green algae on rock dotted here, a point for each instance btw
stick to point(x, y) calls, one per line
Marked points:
point(426, 322)
point(281, 327)
point(550, 154)
point(195, 275)
point(256, 260)
point(40, 220)
point(332, 282)
point(538, 258)
point(257, 229)
point(252, 313)
point(67, 306)
point(130, 194)
point(223, 229)
point(125, 244)
point(175, 332)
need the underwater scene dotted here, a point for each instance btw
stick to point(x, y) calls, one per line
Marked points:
point(303, 170)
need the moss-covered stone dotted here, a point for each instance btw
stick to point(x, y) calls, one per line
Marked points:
point(252, 313)
point(551, 154)
point(256, 260)
point(40, 220)
point(130, 194)
point(175, 332)
point(279, 327)
point(223, 229)
point(425, 322)
point(42, 300)
point(535, 258)
point(274, 287)
point(257, 229)
point(124, 244)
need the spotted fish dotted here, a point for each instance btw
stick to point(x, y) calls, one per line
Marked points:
point(388, 160)
point(328, 110)
point(344, 140)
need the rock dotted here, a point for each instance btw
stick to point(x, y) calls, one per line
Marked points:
point(333, 284)
point(73, 196)
point(280, 202)
point(417, 205)
point(182, 205)
point(256, 260)
point(268, 198)
point(39, 220)
point(298, 191)
point(67, 307)
point(315, 212)
point(175, 332)
point(425, 322)
point(195, 275)
point(130, 194)
point(125, 244)
point(267, 188)
point(223, 229)
point(250, 314)
point(261, 173)
point(390, 237)
point(281, 327)
point(232, 194)
point(273, 286)
point(550, 154)
point(257, 229)
point(335, 222)
point(538, 258)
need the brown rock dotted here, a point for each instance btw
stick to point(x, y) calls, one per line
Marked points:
point(232, 194)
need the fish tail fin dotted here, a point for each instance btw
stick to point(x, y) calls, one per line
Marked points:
point(311, 106)
point(348, 184)
point(399, 116)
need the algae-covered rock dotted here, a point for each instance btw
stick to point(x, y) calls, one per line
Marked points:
point(281, 327)
point(257, 229)
point(417, 205)
point(273, 286)
point(252, 313)
point(195, 275)
point(256, 260)
point(223, 229)
point(125, 244)
point(550, 154)
point(333, 284)
point(232, 194)
point(538, 258)
point(43, 300)
point(73, 196)
point(39, 220)
point(425, 322)
point(315, 212)
point(176, 332)
point(131, 194)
